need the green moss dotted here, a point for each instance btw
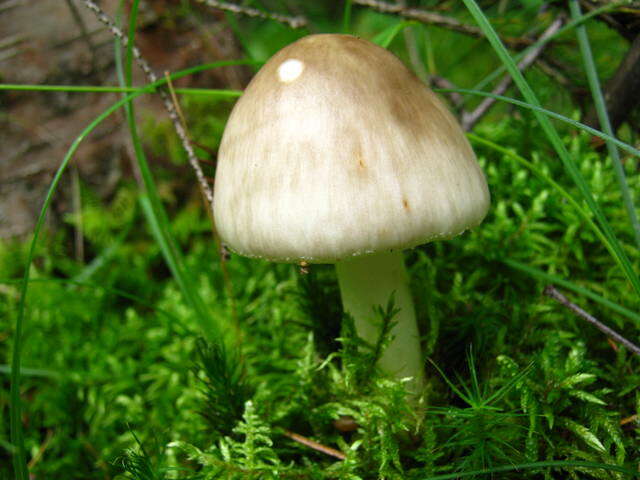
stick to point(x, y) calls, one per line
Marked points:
point(119, 384)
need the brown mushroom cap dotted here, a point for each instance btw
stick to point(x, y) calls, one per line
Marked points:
point(335, 150)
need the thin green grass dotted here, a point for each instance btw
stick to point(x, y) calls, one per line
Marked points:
point(346, 16)
point(221, 93)
point(159, 225)
point(108, 89)
point(569, 121)
point(555, 140)
point(17, 435)
point(151, 203)
point(603, 116)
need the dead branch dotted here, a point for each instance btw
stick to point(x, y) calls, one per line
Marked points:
point(440, 82)
point(332, 452)
point(622, 91)
point(553, 72)
point(470, 119)
point(293, 22)
point(166, 100)
point(630, 419)
point(553, 292)
point(625, 19)
point(438, 20)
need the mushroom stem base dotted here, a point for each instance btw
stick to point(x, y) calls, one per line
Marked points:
point(369, 281)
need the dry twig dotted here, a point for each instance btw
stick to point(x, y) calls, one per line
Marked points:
point(332, 452)
point(553, 292)
point(43, 447)
point(436, 19)
point(293, 22)
point(166, 100)
point(631, 419)
point(440, 82)
point(470, 119)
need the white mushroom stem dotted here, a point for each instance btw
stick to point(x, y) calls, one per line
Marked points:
point(369, 281)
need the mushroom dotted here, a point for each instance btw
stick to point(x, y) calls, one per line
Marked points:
point(337, 153)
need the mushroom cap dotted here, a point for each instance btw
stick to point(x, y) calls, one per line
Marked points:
point(335, 150)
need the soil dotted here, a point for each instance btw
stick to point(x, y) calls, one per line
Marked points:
point(60, 42)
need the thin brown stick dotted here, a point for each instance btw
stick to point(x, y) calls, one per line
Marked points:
point(45, 444)
point(437, 19)
point(553, 292)
point(553, 72)
point(168, 105)
point(294, 22)
point(441, 82)
point(176, 105)
point(332, 452)
point(224, 255)
point(631, 419)
point(470, 119)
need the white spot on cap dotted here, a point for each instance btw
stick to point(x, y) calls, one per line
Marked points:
point(289, 70)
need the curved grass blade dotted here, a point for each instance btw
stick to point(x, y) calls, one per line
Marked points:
point(128, 66)
point(17, 437)
point(555, 140)
point(603, 117)
point(98, 89)
point(152, 205)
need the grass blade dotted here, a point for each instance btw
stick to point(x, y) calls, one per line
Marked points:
point(555, 140)
point(236, 93)
point(603, 117)
point(32, 372)
point(151, 203)
point(346, 16)
point(17, 436)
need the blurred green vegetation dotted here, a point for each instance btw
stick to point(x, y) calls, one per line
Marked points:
point(118, 383)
